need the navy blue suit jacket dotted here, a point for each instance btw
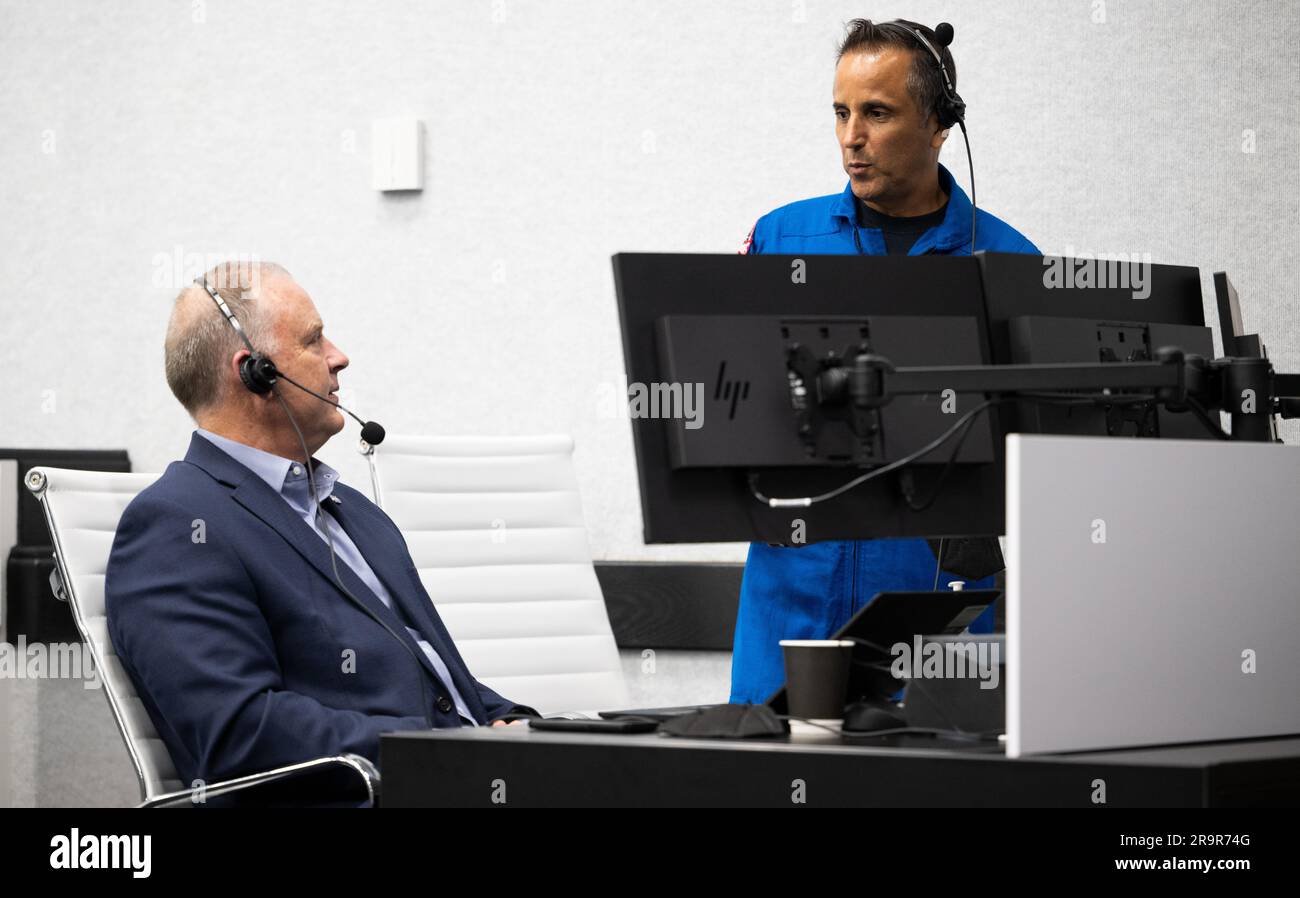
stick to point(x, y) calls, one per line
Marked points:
point(224, 611)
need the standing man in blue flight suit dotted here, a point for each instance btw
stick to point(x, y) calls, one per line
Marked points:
point(893, 111)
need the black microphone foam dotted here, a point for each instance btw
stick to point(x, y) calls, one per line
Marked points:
point(943, 34)
point(372, 433)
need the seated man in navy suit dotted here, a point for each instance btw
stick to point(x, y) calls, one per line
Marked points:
point(221, 594)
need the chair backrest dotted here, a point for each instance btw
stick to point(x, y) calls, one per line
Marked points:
point(496, 529)
point(82, 509)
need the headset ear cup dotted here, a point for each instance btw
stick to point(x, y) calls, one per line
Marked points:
point(951, 111)
point(258, 373)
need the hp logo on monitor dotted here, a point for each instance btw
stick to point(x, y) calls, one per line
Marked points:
point(732, 391)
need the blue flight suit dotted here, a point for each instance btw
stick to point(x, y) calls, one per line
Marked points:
point(810, 591)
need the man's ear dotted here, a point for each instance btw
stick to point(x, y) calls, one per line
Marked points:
point(235, 361)
point(939, 135)
point(233, 367)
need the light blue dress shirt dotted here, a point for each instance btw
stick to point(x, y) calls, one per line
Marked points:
point(289, 479)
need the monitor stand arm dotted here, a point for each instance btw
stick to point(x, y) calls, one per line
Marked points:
point(1246, 388)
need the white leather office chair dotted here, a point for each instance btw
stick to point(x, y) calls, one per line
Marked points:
point(82, 509)
point(496, 530)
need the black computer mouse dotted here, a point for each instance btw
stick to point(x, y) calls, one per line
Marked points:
point(868, 717)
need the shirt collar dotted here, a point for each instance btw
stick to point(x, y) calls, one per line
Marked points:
point(952, 233)
point(283, 475)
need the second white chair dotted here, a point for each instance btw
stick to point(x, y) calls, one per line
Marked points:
point(496, 529)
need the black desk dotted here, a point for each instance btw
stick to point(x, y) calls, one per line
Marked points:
point(463, 768)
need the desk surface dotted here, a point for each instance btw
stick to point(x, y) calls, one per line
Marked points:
point(468, 767)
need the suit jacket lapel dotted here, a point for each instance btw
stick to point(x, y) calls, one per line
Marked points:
point(251, 492)
point(359, 519)
point(378, 553)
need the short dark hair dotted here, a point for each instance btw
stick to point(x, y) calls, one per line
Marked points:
point(924, 82)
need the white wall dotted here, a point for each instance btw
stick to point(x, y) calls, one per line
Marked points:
point(558, 134)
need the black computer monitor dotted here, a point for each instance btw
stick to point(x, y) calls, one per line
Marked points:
point(738, 336)
point(1236, 342)
point(1239, 344)
point(727, 327)
point(1052, 309)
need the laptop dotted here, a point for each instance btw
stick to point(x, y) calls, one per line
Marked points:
point(1144, 579)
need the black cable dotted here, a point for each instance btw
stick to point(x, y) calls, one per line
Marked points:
point(329, 539)
point(803, 502)
point(1200, 414)
point(1045, 397)
point(970, 166)
point(1063, 398)
point(1053, 398)
point(938, 484)
point(963, 735)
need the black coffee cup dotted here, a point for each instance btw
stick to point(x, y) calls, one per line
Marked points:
point(817, 677)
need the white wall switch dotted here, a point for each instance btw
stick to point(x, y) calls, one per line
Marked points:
point(397, 153)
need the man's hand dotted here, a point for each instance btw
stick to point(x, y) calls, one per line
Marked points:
point(505, 723)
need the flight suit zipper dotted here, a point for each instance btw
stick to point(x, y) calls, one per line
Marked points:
point(853, 582)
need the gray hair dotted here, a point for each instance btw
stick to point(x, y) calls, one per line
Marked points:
point(200, 341)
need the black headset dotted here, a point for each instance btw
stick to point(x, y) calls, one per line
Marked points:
point(950, 108)
point(259, 374)
point(257, 371)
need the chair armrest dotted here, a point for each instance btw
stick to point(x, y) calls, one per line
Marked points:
point(364, 769)
point(56, 583)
